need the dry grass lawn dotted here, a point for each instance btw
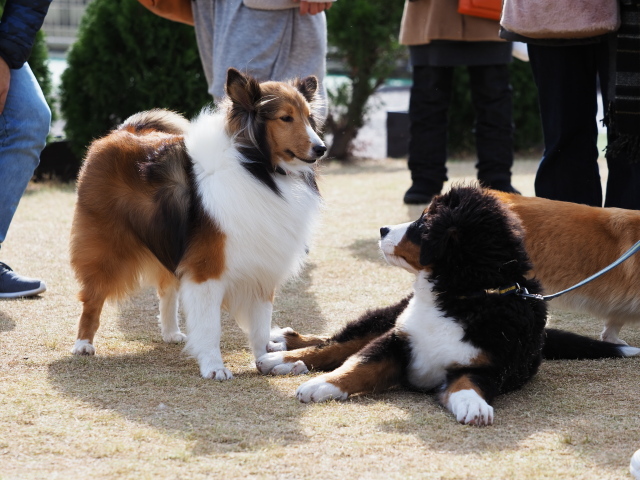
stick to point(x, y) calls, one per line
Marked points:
point(139, 409)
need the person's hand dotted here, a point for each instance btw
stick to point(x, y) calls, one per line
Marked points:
point(5, 80)
point(313, 7)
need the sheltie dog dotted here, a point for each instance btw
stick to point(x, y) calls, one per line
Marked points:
point(219, 210)
point(466, 331)
point(568, 243)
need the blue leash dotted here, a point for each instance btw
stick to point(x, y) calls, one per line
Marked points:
point(524, 293)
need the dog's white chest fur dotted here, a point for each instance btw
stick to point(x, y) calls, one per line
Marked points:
point(436, 340)
point(266, 235)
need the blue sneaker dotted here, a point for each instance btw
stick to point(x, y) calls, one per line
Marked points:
point(13, 285)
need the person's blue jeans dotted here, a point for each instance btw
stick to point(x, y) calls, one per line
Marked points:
point(24, 125)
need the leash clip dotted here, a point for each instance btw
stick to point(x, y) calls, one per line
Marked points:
point(524, 293)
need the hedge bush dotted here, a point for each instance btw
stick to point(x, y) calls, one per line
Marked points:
point(126, 59)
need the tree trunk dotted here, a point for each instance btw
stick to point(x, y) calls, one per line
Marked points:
point(340, 148)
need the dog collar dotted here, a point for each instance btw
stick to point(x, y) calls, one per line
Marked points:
point(500, 291)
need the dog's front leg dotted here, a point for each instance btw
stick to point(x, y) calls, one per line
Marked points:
point(467, 396)
point(201, 303)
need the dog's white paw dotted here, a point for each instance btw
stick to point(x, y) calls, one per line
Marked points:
point(174, 337)
point(277, 340)
point(634, 466)
point(318, 390)
point(219, 374)
point(83, 347)
point(213, 368)
point(470, 408)
point(273, 363)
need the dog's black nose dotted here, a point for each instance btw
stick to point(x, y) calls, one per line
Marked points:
point(384, 231)
point(319, 150)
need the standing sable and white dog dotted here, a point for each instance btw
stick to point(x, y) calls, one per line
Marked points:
point(219, 210)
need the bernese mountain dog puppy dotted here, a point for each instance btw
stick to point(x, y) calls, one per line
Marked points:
point(466, 332)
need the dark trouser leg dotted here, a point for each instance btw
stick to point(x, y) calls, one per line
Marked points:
point(567, 95)
point(491, 97)
point(623, 183)
point(428, 107)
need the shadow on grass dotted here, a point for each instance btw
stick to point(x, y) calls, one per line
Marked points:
point(6, 323)
point(367, 250)
point(162, 387)
point(588, 406)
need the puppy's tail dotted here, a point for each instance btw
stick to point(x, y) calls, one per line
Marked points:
point(157, 119)
point(562, 345)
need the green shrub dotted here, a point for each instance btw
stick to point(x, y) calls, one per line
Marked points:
point(526, 118)
point(38, 61)
point(125, 60)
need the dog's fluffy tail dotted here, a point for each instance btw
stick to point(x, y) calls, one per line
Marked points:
point(562, 345)
point(157, 119)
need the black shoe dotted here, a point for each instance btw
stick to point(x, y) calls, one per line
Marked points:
point(420, 193)
point(501, 186)
point(13, 285)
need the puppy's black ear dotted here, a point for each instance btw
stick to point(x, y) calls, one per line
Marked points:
point(308, 87)
point(432, 247)
point(243, 90)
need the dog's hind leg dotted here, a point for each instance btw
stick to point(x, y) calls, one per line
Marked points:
point(288, 339)
point(89, 323)
point(467, 396)
point(168, 296)
point(375, 368)
point(328, 353)
point(611, 330)
point(254, 318)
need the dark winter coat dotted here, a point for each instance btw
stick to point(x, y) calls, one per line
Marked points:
point(20, 22)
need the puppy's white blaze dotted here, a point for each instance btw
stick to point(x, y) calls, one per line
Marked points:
point(389, 243)
point(83, 347)
point(317, 390)
point(469, 407)
point(436, 340)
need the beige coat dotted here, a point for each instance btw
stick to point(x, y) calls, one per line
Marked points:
point(427, 20)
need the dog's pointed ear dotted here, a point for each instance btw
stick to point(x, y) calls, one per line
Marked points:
point(308, 87)
point(243, 90)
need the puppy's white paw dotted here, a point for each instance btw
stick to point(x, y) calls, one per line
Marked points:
point(277, 340)
point(83, 347)
point(174, 337)
point(470, 408)
point(318, 390)
point(634, 466)
point(296, 368)
point(273, 363)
